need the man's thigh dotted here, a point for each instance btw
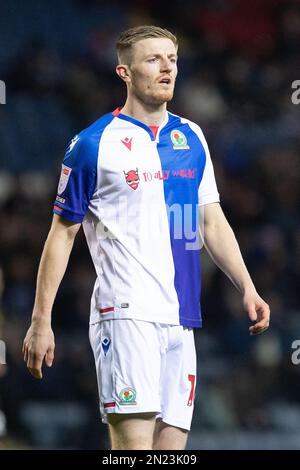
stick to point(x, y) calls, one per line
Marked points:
point(167, 437)
point(131, 431)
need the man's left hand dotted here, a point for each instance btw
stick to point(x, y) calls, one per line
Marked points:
point(258, 311)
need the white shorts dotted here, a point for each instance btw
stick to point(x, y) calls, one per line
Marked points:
point(145, 367)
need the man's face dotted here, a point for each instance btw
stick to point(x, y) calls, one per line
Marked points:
point(153, 70)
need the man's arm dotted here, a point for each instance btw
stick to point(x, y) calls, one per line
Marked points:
point(221, 244)
point(39, 341)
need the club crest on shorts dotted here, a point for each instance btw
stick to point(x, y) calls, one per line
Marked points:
point(64, 178)
point(179, 140)
point(127, 396)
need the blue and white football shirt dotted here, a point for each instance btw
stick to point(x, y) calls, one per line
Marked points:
point(138, 197)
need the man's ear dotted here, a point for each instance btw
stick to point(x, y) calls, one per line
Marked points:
point(123, 72)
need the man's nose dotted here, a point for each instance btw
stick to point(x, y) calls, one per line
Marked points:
point(166, 64)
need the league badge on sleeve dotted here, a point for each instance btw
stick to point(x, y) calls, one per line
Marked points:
point(64, 178)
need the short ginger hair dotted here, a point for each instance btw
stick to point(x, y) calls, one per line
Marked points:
point(131, 36)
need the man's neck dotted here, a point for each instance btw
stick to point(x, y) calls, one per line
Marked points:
point(148, 114)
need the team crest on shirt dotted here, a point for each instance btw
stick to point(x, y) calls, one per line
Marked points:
point(64, 178)
point(127, 396)
point(179, 140)
point(132, 178)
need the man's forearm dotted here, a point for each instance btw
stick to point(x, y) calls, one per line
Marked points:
point(222, 246)
point(52, 267)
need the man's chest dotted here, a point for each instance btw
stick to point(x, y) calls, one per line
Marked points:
point(131, 162)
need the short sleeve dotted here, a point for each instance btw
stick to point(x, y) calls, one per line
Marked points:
point(208, 191)
point(77, 179)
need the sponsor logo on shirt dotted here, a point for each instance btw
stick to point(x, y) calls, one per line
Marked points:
point(189, 173)
point(132, 178)
point(127, 396)
point(60, 199)
point(179, 140)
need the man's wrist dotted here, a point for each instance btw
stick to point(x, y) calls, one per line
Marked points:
point(248, 288)
point(41, 319)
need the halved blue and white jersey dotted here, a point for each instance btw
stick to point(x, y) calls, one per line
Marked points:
point(138, 196)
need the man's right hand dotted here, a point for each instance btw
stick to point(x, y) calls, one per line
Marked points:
point(38, 344)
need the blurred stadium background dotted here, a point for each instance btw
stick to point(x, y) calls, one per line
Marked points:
point(237, 63)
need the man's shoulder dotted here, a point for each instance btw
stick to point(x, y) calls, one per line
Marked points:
point(97, 127)
point(176, 121)
point(88, 138)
